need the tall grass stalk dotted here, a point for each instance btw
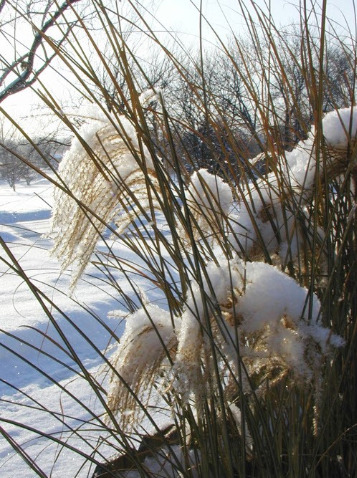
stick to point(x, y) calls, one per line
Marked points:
point(195, 390)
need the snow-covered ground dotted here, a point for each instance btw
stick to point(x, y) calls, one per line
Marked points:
point(33, 354)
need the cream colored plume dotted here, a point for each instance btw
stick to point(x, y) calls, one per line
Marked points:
point(103, 170)
point(142, 356)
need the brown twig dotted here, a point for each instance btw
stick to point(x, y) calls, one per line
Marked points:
point(26, 62)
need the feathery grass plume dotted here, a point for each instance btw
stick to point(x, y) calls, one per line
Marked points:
point(141, 357)
point(105, 167)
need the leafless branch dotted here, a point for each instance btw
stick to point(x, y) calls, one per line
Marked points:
point(2, 4)
point(26, 62)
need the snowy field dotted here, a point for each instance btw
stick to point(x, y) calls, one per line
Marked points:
point(29, 396)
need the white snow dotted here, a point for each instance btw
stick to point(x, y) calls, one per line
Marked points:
point(279, 321)
point(26, 330)
point(210, 200)
point(339, 125)
point(261, 208)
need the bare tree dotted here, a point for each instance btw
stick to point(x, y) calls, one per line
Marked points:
point(22, 159)
point(291, 83)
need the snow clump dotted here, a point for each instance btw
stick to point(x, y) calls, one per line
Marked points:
point(274, 319)
point(209, 199)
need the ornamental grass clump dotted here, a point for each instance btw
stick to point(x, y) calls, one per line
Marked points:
point(267, 305)
point(224, 226)
point(243, 326)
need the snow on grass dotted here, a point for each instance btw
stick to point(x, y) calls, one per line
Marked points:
point(42, 384)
